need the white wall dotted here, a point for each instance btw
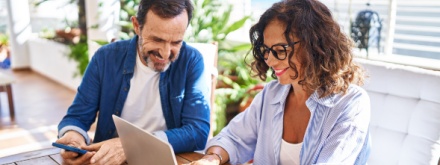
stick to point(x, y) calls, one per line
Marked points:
point(49, 58)
point(19, 32)
point(102, 21)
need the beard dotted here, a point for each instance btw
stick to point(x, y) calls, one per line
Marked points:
point(156, 66)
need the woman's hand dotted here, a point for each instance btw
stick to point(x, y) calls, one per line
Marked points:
point(108, 152)
point(207, 160)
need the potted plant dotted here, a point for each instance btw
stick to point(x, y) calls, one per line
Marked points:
point(5, 53)
point(237, 88)
point(74, 35)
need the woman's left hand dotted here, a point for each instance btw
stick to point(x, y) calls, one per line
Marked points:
point(203, 162)
point(206, 160)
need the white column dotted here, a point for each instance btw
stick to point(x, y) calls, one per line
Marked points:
point(391, 27)
point(20, 30)
point(102, 20)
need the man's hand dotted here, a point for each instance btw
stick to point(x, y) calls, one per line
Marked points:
point(207, 160)
point(75, 139)
point(108, 152)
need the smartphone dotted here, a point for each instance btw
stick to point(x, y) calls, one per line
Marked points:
point(69, 148)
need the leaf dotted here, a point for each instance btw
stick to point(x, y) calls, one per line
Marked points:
point(237, 24)
point(79, 53)
point(95, 26)
point(205, 3)
point(101, 42)
point(38, 3)
point(241, 47)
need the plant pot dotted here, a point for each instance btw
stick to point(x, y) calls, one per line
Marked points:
point(4, 53)
point(245, 105)
point(69, 35)
point(231, 111)
point(221, 84)
point(5, 57)
point(253, 91)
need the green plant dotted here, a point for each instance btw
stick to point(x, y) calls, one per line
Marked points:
point(211, 23)
point(4, 50)
point(79, 53)
point(47, 33)
point(235, 75)
point(78, 50)
point(236, 87)
point(128, 9)
point(4, 40)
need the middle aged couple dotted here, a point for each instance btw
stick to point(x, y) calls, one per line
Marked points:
point(313, 113)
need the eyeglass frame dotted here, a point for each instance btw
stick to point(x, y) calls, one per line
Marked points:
point(274, 52)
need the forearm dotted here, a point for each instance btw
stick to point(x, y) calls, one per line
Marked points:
point(193, 132)
point(189, 137)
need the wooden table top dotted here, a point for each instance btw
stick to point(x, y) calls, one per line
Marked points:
point(51, 156)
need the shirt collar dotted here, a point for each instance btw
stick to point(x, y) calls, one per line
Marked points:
point(281, 96)
point(314, 99)
point(130, 58)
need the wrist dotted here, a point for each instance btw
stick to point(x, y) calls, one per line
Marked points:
point(215, 156)
point(74, 136)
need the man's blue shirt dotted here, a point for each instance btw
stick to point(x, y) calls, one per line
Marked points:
point(106, 83)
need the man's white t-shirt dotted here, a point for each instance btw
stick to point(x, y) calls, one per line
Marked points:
point(143, 106)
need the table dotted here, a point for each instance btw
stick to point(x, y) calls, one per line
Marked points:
point(51, 156)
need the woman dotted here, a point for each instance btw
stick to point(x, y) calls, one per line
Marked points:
point(314, 113)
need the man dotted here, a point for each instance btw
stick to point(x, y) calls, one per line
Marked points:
point(153, 80)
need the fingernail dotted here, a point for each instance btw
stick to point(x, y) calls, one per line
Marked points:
point(92, 161)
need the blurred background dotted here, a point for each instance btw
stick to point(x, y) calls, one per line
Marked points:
point(45, 46)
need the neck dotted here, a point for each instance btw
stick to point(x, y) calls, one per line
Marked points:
point(299, 94)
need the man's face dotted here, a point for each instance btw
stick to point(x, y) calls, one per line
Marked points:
point(160, 39)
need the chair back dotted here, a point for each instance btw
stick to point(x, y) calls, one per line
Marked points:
point(210, 55)
point(405, 113)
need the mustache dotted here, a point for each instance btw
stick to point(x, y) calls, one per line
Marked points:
point(159, 56)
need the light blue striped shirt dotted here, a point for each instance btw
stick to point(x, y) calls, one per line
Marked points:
point(337, 132)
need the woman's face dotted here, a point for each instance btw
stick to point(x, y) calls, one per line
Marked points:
point(274, 35)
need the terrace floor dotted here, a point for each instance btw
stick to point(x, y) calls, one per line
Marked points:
point(40, 104)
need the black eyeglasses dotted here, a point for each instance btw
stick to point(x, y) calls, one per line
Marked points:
point(278, 51)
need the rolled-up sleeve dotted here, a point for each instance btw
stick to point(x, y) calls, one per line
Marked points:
point(239, 138)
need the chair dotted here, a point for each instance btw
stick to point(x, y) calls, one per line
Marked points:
point(5, 86)
point(405, 113)
point(210, 54)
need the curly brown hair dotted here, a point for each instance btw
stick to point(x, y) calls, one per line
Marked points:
point(324, 52)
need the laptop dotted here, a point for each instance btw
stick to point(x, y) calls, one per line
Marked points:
point(141, 147)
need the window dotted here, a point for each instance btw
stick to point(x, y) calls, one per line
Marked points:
point(415, 38)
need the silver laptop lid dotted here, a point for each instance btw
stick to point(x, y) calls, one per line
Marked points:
point(143, 148)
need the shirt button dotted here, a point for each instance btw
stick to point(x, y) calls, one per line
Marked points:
point(109, 132)
point(117, 113)
point(125, 89)
point(125, 71)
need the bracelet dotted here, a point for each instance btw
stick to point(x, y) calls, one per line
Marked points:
point(218, 155)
